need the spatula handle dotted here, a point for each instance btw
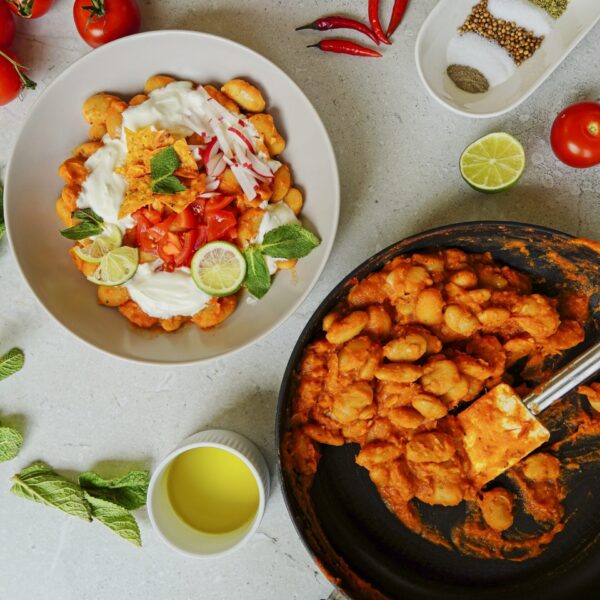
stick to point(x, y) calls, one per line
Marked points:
point(569, 377)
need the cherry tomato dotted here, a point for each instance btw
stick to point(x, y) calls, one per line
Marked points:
point(575, 135)
point(102, 21)
point(12, 78)
point(7, 26)
point(30, 9)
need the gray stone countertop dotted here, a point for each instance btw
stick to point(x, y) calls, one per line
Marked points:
point(397, 151)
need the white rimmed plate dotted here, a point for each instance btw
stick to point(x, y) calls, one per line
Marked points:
point(55, 126)
point(442, 24)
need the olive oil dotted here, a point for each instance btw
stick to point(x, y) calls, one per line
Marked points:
point(212, 490)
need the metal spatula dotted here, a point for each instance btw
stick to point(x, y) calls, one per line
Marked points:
point(500, 429)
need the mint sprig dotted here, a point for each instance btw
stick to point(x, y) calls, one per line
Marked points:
point(11, 362)
point(128, 491)
point(289, 241)
point(40, 483)
point(10, 443)
point(106, 500)
point(89, 224)
point(285, 242)
point(116, 518)
point(258, 278)
point(162, 166)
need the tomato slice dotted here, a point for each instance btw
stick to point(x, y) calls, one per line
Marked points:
point(184, 221)
point(152, 215)
point(218, 203)
point(169, 247)
point(219, 222)
point(158, 231)
point(184, 258)
point(202, 237)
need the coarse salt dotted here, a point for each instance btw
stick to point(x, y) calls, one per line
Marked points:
point(489, 58)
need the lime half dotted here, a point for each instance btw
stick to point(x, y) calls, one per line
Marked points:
point(218, 269)
point(101, 246)
point(493, 163)
point(117, 267)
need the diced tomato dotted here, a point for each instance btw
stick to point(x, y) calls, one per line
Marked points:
point(154, 216)
point(219, 222)
point(202, 238)
point(218, 203)
point(184, 258)
point(169, 247)
point(184, 221)
point(157, 232)
point(197, 208)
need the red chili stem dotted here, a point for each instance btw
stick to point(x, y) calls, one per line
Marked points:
point(335, 22)
point(398, 12)
point(345, 47)
point(375, 22)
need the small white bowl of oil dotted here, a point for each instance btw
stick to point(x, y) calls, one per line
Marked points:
point(208, 496)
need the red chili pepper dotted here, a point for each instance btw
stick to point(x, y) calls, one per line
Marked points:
point(375, 22)
point(398, 11)
point(345, 47)
point(328, 23)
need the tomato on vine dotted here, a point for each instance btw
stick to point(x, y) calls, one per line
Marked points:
point(7, 26)
point(12, 78)
point(102, 21)
point(30, 9)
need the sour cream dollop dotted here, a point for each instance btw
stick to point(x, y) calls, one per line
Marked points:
point(163, 295)
point(164, 109)
point(275, 216)
point(103, 189)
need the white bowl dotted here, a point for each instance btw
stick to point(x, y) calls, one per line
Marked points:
point(55, 126)
point(442, 24)
point(175, 532)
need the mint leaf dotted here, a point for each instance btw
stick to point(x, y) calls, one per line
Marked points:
point(168, 185)
point(164, 163)
point(10, 443)
point(115, 517)
point(162, 166)
point(289, 241)
point(258, 278)
point(90, 224)
point(2, 225)
point(87, 215)
point(11, 362)
point(40, 483)
point(128, 491)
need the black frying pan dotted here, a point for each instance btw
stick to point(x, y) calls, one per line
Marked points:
point(361, 546)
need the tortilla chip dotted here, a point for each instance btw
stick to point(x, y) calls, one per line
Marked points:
point(142, 145)
point(185, 156)
point(178, 202)
point(138, 195)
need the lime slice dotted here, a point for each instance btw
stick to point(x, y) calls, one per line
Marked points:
point(493, 163)
point(218, 269)
point(117, 267)
point(101, 246)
